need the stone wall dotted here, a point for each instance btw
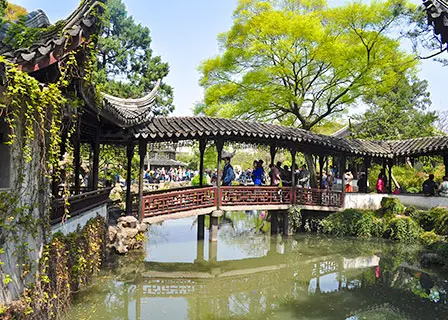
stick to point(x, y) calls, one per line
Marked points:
point(80, 220)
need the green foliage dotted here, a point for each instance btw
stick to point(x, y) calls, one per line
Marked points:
point(295, 218)
point(399, 113)
point(409, 178)
point(352, 222)
point(441, 220)
point(66, 265)
point(404, 229)
point(430, 238)
point(126, 65)
point(300, 64)
point(390, 207)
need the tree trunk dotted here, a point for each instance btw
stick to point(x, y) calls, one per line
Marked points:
point(312, 169)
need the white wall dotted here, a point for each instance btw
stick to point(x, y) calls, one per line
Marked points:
point(72, 224)
point(372, 201)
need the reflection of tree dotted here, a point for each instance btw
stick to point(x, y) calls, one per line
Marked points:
point(241, 231)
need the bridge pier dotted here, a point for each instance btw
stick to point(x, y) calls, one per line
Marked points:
point(213, 235)
point(274, 222)
point(201, 227)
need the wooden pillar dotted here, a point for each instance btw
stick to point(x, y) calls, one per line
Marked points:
point(321, 169)
point(293, 176)
point(445, 162)
point(142, 153)
point(202, 145)
point(129, 155)
point(273, 151)
point(342, 170)
point(77, 164)
point(367, 163)
point(390, 164)
point(219, 146)
point(95, 164)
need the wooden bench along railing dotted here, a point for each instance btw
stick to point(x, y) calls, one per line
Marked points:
point(78, 204)
point(163, 202)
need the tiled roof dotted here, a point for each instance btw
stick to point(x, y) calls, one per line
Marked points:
point(129, 112)
point(185, 128)
point(437, 11)
point(162, 162)
point(53, 44)
point(419, 146)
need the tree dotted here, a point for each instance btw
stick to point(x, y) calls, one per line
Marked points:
point(301, 62)
point(399, 113)
point(442, 122)
point(126, 65)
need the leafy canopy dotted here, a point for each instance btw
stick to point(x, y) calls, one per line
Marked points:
point(126, 65)
point(399, 113)
point(301, 62)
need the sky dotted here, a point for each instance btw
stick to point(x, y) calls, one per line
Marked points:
point(184, 33)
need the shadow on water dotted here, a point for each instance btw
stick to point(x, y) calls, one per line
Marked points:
point(248, 274)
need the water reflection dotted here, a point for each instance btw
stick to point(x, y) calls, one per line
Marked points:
point(251, 275)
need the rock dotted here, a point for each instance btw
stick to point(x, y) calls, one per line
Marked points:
point(128, 221)
point(430, 258)
point(142, 227)
point(112, 233)
point(128, 233)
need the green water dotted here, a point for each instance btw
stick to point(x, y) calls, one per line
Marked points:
point(251, 275)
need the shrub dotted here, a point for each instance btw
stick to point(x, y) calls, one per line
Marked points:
point(350, 222)
point(430, 237)
point(425, 219)
point(440, 216)
point(404, 229)
point(390, 207)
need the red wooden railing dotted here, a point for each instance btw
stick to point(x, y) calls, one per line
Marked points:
point(264, 195)
point(164, 202)
point(178, 201)
point(319, 197)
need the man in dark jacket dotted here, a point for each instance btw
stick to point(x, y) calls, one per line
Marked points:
point(227, 174)
point(429, 186)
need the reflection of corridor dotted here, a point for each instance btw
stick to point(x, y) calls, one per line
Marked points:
point(222, 289)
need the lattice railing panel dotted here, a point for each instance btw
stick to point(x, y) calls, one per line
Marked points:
point(255, 195)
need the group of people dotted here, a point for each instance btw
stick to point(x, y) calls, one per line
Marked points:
point(167, 175)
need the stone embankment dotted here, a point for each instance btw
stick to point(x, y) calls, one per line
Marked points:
point(127, 235)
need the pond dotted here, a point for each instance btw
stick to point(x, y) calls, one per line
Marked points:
point(249, 274)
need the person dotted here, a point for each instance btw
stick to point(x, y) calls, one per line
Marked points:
point(257, 174)
point(348, 177)
point(362, 183)
point(323, 180)
point(304, 177)
point(274, 175)
point(227, 174)
point(443, 187)
point(429, 186)
point(330, 180)
point(381, 182)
